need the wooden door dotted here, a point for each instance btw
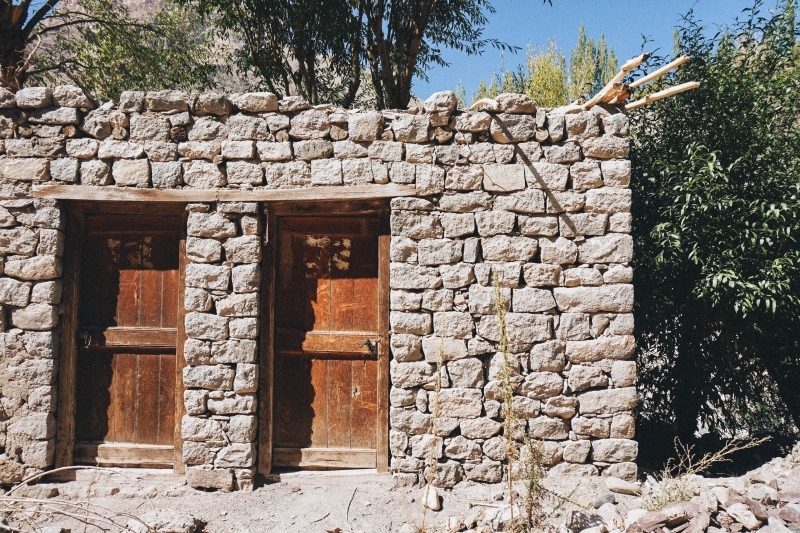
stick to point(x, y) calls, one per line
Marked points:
point(328, 408)
point(126, 365)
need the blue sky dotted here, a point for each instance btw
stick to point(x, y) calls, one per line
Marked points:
point(624, 22)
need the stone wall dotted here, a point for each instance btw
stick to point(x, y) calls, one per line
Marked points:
point(539, 200)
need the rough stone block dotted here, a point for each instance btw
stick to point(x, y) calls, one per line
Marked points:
point(547, 428)
point(131, 172)
point(412, 323)
point(207, 478)
point(238, 149)
point(617, 298)
point(206, 326)
point(507, 128)
point(310, 124)
point(547, 176)
point(614, 450)
point(619, 347)
point(232, 404)
point(34, 97)
point(212, 377)
point(532, 300)
point(203, 175)
point(35, 317)
point(26, 169)
point(411, 128)
point(607, 147)
point(607, 401)
point(234, 351)
point(509, 248)
point(503, 178)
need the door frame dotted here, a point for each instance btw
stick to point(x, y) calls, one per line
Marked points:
point(76, 213)
point(272, 214)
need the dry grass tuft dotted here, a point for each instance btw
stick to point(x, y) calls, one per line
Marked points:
point(676, 481)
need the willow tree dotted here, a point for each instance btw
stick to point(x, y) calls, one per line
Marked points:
point(716, 219)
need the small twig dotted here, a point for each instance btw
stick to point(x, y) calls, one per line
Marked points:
point(347, 514)
point(320, 519)
point(78, 467)
point(485, 504)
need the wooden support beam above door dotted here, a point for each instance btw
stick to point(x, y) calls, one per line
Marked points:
point(316, 194)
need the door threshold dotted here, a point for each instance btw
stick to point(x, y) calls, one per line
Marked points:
point(288, 474)
point(91, 473)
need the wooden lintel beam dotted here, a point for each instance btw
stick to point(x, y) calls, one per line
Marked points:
point(317, 194)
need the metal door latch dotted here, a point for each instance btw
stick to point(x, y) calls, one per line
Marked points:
point(86, 337)
point(371, 345)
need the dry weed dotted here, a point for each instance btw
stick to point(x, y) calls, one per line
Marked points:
point(676, 481)
point(24, 512)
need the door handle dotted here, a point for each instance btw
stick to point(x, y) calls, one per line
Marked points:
point(371, 345)
point(86, 337)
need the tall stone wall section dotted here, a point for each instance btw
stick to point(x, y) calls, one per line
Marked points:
point(221, 350)
point(536, 200)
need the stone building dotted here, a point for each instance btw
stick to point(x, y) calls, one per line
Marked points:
point(226, 285)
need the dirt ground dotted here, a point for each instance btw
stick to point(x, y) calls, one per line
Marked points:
point(307, 502)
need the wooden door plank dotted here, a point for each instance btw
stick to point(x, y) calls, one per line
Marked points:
point(316, 258)
point(341, 294)
point(382, 430)
point(365, 283)
point(294, 413)
point(125, 395)
point(147, 399)
point(319, 405)
point(151, 300)
point(364, 401)
point(340, 383)
point(127, 296)
point(166, 399)
point(169, 302)
point(291, 290)
point(312, 458)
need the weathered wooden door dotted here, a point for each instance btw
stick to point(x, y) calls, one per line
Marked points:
point(126, 366)
point(328, 407)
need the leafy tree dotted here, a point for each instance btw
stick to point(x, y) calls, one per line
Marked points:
point(405, 39)
point(319, 49)
point(590, 66)
point(307, 47)
point(48, 41)
point(547, 83)
point(169, 51)
point(20, 27)
point(716, 199)
point(548, 79)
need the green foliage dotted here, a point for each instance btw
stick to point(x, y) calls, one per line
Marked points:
point(548, 79)
point(547, 82)
point(122, 53)
point(591, 66)
point(303, 47)
point(716, 196)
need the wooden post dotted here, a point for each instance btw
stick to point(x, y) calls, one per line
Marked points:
point(266, 345)
point(180, 361)
point(382, 435)
point(65, 413)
